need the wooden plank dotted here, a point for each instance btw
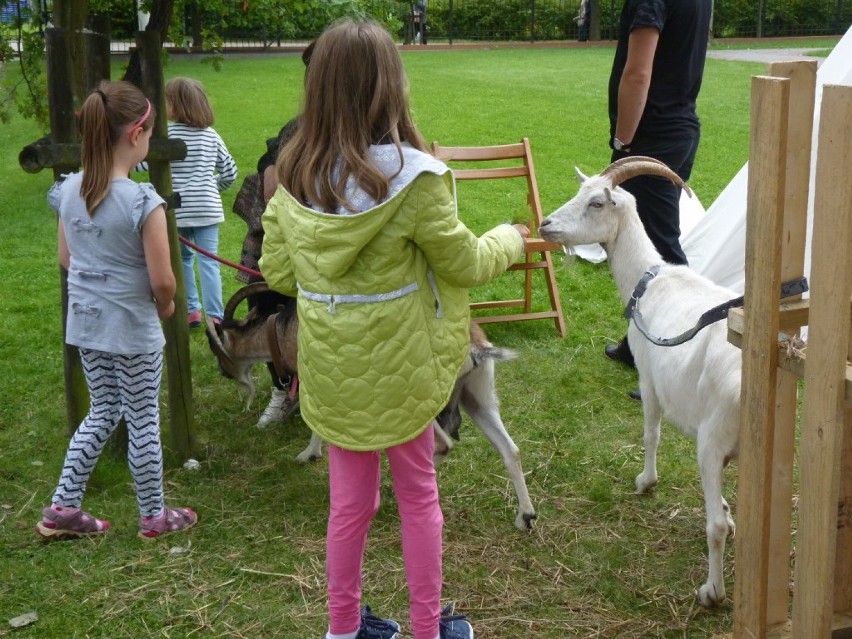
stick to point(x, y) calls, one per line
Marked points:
point(793, 315)
point(493, 319)
point(493, 173)
point(843, 565)
point(841, 622)
point(770, 99)
point(41, 155)
point(536, 244)
point(549, 273)
point(828, 337)
point(843, 560)
point(800, 117)
point(476, 153)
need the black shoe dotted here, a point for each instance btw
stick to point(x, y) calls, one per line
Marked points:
point(635, 394)
point(620, 353)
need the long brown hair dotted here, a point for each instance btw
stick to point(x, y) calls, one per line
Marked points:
point(356, 94)
point(188, 103)
point(104, 118)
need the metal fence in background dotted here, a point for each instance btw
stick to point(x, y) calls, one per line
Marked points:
point(544, 20)
point(275, 24)
point(453, 21)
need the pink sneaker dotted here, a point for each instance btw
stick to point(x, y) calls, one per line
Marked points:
point(194, 319)
point(61, 522)
point(168, 521)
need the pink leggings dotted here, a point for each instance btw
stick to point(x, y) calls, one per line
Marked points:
point(354, 479)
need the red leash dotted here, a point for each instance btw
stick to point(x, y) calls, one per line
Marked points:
point(239, 267)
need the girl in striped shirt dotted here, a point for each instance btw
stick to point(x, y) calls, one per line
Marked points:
point(207, 169)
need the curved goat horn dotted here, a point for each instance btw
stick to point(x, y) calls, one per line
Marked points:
point(246, 291)
point(629, 160)
point(630, 167)
point(216, 344)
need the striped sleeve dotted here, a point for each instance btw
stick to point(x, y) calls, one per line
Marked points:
point(226, 167)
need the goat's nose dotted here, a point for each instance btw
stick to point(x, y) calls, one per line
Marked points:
point(545, 222)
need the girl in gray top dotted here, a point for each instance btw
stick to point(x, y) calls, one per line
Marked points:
point(114, 244)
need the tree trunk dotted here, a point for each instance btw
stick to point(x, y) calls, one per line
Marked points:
point(66, 71)
point(161, 18)
point(195, 23)
point(595, 20)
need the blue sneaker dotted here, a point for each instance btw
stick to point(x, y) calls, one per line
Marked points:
point(453, 626)
point(373, 627)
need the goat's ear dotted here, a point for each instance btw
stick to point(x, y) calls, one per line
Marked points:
point(581, 177)
point(609, 195)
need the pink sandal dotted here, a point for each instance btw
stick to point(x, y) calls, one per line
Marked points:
point(61, 522)
point(169, 521)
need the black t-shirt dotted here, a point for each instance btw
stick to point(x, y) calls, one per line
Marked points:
point(273, 144)
point(684, 27)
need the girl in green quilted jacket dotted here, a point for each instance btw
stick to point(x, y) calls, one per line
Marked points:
point(363, 229)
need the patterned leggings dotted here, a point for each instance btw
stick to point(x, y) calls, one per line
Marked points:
point(119, 385)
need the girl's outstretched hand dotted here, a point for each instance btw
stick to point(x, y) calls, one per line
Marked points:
point(522, 229)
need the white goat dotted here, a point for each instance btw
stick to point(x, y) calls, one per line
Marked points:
point(696, 384)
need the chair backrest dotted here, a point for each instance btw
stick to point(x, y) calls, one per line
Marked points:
point(496, 164)
point(489, 154)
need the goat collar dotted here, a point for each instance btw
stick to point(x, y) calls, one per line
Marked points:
point(639, 290)
point(792, 287)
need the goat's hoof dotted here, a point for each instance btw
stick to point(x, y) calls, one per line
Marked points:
point(645, 486)
point(525, 521)
point(709, 597)
point(308, 456)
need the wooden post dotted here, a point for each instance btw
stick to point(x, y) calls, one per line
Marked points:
point(802, 77)
point(72, 16)
point(825, 370)
point(182, 425)
point(60, 98)
point(766, 189)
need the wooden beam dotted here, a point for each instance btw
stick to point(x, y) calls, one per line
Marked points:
point(766, 187)
point(42, 154)
point(792, 315)
point(800, 117)
point(824, 403)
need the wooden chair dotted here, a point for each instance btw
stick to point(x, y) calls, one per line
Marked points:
point(537, 256)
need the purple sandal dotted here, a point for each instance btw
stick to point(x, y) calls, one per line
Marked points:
point(60, 522)
point(169, 521)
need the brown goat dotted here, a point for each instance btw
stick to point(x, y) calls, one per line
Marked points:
point(268, 333)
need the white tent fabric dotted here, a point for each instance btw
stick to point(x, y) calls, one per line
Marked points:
point(715, 246)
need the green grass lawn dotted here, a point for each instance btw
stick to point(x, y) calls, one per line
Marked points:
point(601, 562)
